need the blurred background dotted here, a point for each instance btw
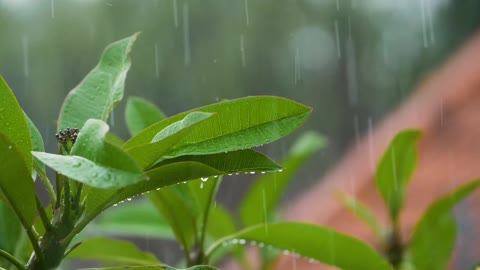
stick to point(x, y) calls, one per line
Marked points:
point(351, 60)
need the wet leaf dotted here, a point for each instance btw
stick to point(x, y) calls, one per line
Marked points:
point(37, 145)
point(99, 92)
point(396, 169)
point(319, 243)
point(433, 239)
point(234, 126)
point(95, 162)
point(153, 267)
point(16, 181)
point(166, 139)
point(138, 218)
point(265, 193)
point(221, 222)
point(140, 114)
point(14, 125)
point(112, 252)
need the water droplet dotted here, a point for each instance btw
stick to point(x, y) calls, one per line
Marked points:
point(201, 185)
point(129, 199)
point(204, 179)
point(242, 241)
point(115, 204)
point(281, 170)
point(252, 172)
point(77, 164)
point(286, 252)
point(230, 174)
point(10, 147)
point(261, 245)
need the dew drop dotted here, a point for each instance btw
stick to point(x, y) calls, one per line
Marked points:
point(261, 245)
point(252, 172)
point(263, 172)
point(129, 199)
point(204, 179)
point(77, 164)
point(242, 241)
point(10, 147)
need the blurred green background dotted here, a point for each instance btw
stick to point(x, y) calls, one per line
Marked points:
point(351, 60)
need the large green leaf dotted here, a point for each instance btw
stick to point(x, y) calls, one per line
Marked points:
point(153, 267)
point(10, 231)
point(134, 219)
point(140, 114)
point(112, 252)
point(266, 192)
point(319, 243)
point(94, 161)
point(99, 92)
point(16, 182)
point(177, 214)
point(237, 124)
point(433, 238)
point(396, 168)
point(220, 223)
point(167, 139)
point(13, 124)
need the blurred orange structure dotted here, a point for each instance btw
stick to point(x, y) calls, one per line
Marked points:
point(446, 107)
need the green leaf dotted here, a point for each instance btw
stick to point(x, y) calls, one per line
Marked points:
point(319, 243)
point(177, 214)
point(265, 193)
point(134, 219)
point(362, 212)
point(99, 92)
point(140, 114)
point(37, 143)
point(112, 252)
point(114, 139)
point(166, 139)
point(95, 162)
point(434, 236)
point(396, 168)
point(16, 182)
point(154, 267)
point(10, 231)
point(236, 124)
point(13, 124)
point(220, 223)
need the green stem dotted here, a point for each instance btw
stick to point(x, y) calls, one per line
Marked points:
point(202, 259)
point(48, 186)
point(43, 214)
point(11, 259)
point(66, 200)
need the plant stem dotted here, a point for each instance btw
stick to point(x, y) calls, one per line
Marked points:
point(11, 259)
point(43, 214)
point(203, 231)
point(48, 186)
point(67, 205)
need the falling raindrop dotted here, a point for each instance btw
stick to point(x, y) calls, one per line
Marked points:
point(25, 55)
point(52, 8)
point(337, 40)
point(297, 72)
point(112, 118)
point(430, 22)
point(201, 185)
point(242, 50)
point(424, 24)
point(175, 13)
point(247, 17)
point(338, 5)
point(370, 144)
point(157, 70)
point(186, 34)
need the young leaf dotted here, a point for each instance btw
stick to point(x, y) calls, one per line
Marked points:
point(234, 126)
point(95, 162)
point(266, 192)
point(433, 238)
point(166, 139)
point(135, 219)
point(16, 182)
point(99, 92)
point(154, 267)
point(112, 252)
point(362, 212)
point(140, 114)
point(177, 214)
point(396, 168)
point(319, 243)
point(13, 124)
point(37, 145)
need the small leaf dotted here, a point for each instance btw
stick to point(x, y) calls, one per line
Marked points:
point(37, 143)
point(140, 114)
point(319, 243)
point(177, 214)
point(112, 252)
point(14, 125)
point(396, 168)
point(362, 212)
point(134, 219)
point(434, 236)
point(16, 181)
point(234, 126)
point(95, 162)
point(99, 92)
point(267, 190)
point(166, 139)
